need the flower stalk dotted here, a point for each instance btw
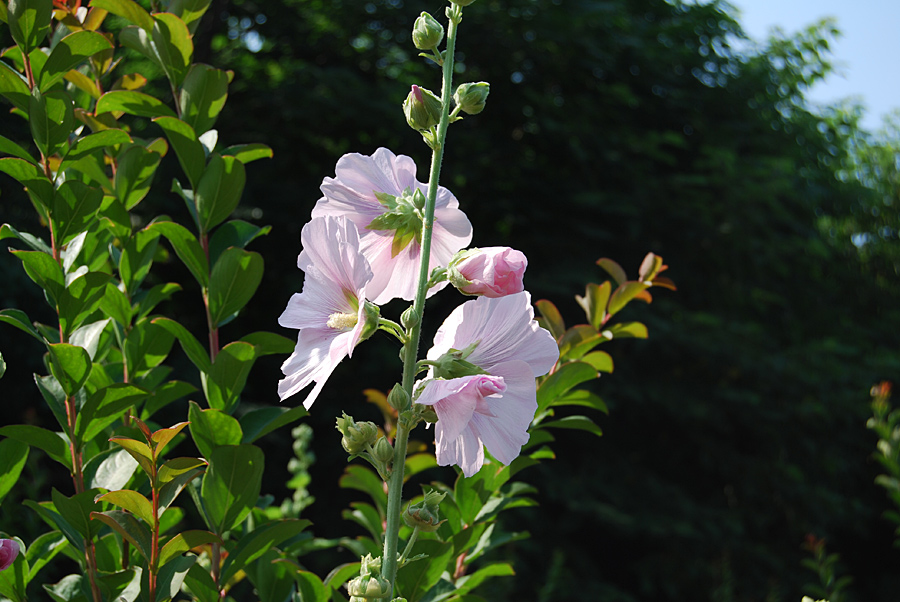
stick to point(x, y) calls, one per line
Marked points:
point(410, 364)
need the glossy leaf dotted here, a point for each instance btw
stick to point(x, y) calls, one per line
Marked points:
point(105, 407)
point(173, 45)
point(310, 588)
point(164, 395)
point(245, 153)
point(579, 340)
point(110, 470)
point(92, 143)
point(29, 22)
point(219, 191)
point(226, 379)
point(212, 428)
point(70, 365)
point(18, 318)
point(127, 9)
point(129, 527)
point(42, 550)
point(192, 348)
point(231, 484)
point(624, 294)
point(594, 302)
point(134, 174)
point(29, 175)
point(53, 444)
point(70, 52)
point(183, 542)
point(233, 281)
point(162, 437)
point(68, 589)
point(415, 579)
point(139, 451)
point(201, 584)
point(235, 233)
point(613, 269)
point(189, 10)
point(76, 510)
point(133, 103)
point(252, 545)
point(186, 247)
point(558, 383)
point(582, 423)
point(132, 501)
point(8, 147)
point(467, 583)
point(115, 305)
point(599, 360)
point(363, 479)
point(51, 117)
point(12, 459)
point(629, 330)
point(73, 209)
point(187, 147)
point(34, 242)
point(14, 87)
point(81, 298)
point(44, 271)
point(83, 83)
point(179, 472)
point(146, 301)
point(202, 97)
point(262, 421)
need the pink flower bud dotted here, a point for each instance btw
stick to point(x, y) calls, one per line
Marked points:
point(9, 549)
point(492, 271)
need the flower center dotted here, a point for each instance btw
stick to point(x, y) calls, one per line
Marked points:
point(340, 321)
point(404, 216)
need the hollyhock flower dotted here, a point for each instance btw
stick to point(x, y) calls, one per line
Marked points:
point(9, 549)
point(485, 357)
point(381, 195)
point(331, 312)
point(492, 271)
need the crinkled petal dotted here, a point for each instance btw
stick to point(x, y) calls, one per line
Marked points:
point(332, 246)
point(504, 328)
point(465, 451)
point(503, 428)
point(315, 357)
point(455, 400)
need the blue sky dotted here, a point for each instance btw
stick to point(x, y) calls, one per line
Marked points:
point(867, 55)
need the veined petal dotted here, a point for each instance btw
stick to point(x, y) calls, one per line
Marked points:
point(310, 362)
point(504, 430)
point(455, 400)
point(465, 451)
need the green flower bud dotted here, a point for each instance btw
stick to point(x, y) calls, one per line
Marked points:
point(383, 451)
point(471, 97)
point(453, 364)
point(425, 515)
point(356, 435)
point(398, 398)
point(427, 32)
point(369, 586)
point(409, 317)
point(371, 314)
point(422, 109)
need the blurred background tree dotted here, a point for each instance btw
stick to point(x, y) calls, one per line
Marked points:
point(614, 128)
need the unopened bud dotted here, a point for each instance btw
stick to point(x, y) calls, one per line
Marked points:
point(427, 32)
point(409, 317)
point(369, 586)
point(471, 97)
point(425, 515)
point(398, 398)
point(422, 109)
point(356, 435)
point(383, 451)
point(371, 314)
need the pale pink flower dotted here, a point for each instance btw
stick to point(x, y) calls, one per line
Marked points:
point(330, 312)
point(381, 195)
point(494, 409)
point(9, 549)
point(492, 271)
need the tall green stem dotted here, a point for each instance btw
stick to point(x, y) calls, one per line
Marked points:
point(411, 350)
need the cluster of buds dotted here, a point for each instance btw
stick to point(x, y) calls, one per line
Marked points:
point(425, 515)
point(370, 584)
point(357, 436)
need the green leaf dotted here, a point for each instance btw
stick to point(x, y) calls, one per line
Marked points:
point(110, 469)
point(613, 269)
point(48, 514)
point(173, 44)
point(70, 52)
point(580, 397)
point(14, 87)
point(594, 302)
point(219, 191)
point(133, 103)
point(558, 383)
point(186, 247)
point(212, 428)
point(579, 340)
point(52, 117)
point(19, 319)
point(134, 174)
point(203, 95)
point(245, 153)
point(115, 305)
point(624, 294)
point(262, 421)
point(551, 318)
point(161, 438)
point(29, 175)
point(36, 243)
point(139, 451)
point(467, 583)
point(70, 365)
point(146, 301)
point(233, 281)
point(176, 475)
point(53, 444)
point(187, 147)
point(29, 22)
point(9, 147)
point(225, 381)
point(183, 542)
point(231, 484)
point(310, 588)
point(44, 271)
point(252, 545)
point(201, 584)
point(127, 9)
point(12, 459)
point(129, 527)
point(73, 209)
point(68, 589)
point(582, 423)
point(629, 330)
point(76, 510)
point(42, 550)
point(105, 406)
point(132, 501)
point(146, 346)
point(81, 298)
point(192, 348)
point(416, 578)
point(600, 360)
point(189, 10)
point(164, 395)
point(363, 479)
point(235, 233)
point(2, 366)
point(93, 142)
